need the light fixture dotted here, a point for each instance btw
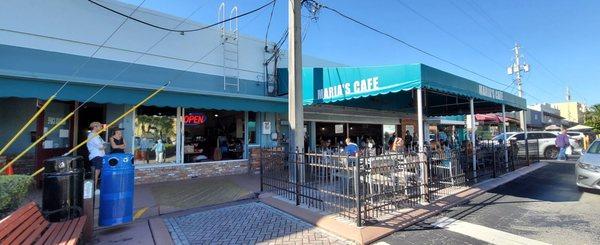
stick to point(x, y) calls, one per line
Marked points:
point(323, 129)
point(216, 115)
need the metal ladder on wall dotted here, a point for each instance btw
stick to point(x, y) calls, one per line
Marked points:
point(231, 48)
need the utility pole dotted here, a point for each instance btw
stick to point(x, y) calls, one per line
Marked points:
point(516, 69)
point(295, 110)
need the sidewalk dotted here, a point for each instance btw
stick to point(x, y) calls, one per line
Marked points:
point(174, 198)
point(370, 234)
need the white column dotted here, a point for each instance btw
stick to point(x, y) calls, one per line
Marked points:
point(504, 131)
point(179, 149)
point(473, 132)
point(422, 156)
point(420, 119)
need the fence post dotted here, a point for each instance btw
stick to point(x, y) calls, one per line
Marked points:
point(357, 192)
point(260, 155)
point(493, 161)
point(297, 179)
point(427, 175)
point(526, 150)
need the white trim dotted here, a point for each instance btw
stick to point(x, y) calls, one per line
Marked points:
point(168, 165)
point(482, 233)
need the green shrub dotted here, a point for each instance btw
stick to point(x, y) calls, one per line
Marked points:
point(13, 188)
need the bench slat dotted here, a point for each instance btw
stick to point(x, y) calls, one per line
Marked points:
point(23, 227)
point(37, 232)
point(8, 224)
point(50, 234)
point(28, 233)
point(27, 225)
point(55, 239)
point(19, 224)
point(67, 234)
point(76, 234)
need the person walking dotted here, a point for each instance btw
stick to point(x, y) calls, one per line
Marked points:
point(117, 143)
point(562, 142)
point(96, 146)
point(391, 141)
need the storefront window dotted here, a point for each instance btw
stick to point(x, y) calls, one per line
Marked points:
point(213, 135)
point(155, 135)
point(252, 127)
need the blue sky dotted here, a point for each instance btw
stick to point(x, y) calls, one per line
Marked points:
point(559, 35)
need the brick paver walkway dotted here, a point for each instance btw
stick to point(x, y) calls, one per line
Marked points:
point(248, 223)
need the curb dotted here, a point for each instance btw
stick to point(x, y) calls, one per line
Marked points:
point(370, 234)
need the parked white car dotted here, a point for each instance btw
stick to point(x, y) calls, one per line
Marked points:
point(587, 170)
point(546, 148)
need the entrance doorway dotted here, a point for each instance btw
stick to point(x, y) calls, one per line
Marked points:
point(90, 112)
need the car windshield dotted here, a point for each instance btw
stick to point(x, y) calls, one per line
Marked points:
point(501, 136)
point(594, 148)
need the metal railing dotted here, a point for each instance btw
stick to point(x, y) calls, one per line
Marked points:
point(368, 188)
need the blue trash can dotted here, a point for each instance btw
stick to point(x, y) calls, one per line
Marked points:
point(116, 190)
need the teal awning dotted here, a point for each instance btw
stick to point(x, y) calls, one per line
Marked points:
point(43, 89)
point(391, 85)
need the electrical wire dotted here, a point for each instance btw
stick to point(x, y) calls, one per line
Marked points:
point(182, 30)
point(412, 46)
point(269, 24)
point(497, 25)
point(449, 33)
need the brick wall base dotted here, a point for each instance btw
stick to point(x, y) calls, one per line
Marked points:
point(145, 174)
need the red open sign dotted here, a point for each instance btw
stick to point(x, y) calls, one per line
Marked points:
point(195, 118)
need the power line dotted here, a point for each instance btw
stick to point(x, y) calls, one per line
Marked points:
point(411, 46)
point(449, 33)
point(479, 24)
point(182, 30)
point(493, 22)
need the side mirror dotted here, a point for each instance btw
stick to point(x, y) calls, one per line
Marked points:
point(583, 151)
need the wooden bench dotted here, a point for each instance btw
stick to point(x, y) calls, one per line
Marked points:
point(27, 225)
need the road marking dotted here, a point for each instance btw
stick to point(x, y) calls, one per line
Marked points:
point(139, 213)
point(482, 233)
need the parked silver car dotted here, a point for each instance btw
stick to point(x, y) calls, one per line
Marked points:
point(546, 139)
point(587, 170)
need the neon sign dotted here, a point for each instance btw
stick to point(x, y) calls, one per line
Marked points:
point(195, 118)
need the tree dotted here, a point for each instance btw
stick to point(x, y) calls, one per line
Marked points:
point(592, 118)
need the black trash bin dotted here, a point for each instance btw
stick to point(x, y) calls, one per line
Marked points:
point(62, 196)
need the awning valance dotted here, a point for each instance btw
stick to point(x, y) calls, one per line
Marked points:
point(43, 89)
point(340, 84)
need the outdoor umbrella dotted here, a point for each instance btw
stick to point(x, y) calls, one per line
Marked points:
point(552, 127)
point(580, 127)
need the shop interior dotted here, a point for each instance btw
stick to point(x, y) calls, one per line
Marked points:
point(155, 135)
point(213, 135)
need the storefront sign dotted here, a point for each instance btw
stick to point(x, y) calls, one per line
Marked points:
point(195, 118)
point(490, 92)
point(349, 88)
point(339, 128)
point(266, 128)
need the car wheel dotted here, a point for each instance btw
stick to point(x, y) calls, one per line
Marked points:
point(551, 152)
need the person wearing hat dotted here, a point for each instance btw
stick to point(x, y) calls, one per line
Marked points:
point(117, 143)
point(95, 146)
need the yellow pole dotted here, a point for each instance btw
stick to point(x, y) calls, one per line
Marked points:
point(35, 116)
point(84, 142)
point(37, 172)
point(116, 120)
point(38, 141)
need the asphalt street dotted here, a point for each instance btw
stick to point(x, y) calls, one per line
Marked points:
point(543, 206)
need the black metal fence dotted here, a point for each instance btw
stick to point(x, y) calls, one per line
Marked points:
point(369, 188)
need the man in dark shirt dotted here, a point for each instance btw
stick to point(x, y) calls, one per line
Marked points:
point(408, 140)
